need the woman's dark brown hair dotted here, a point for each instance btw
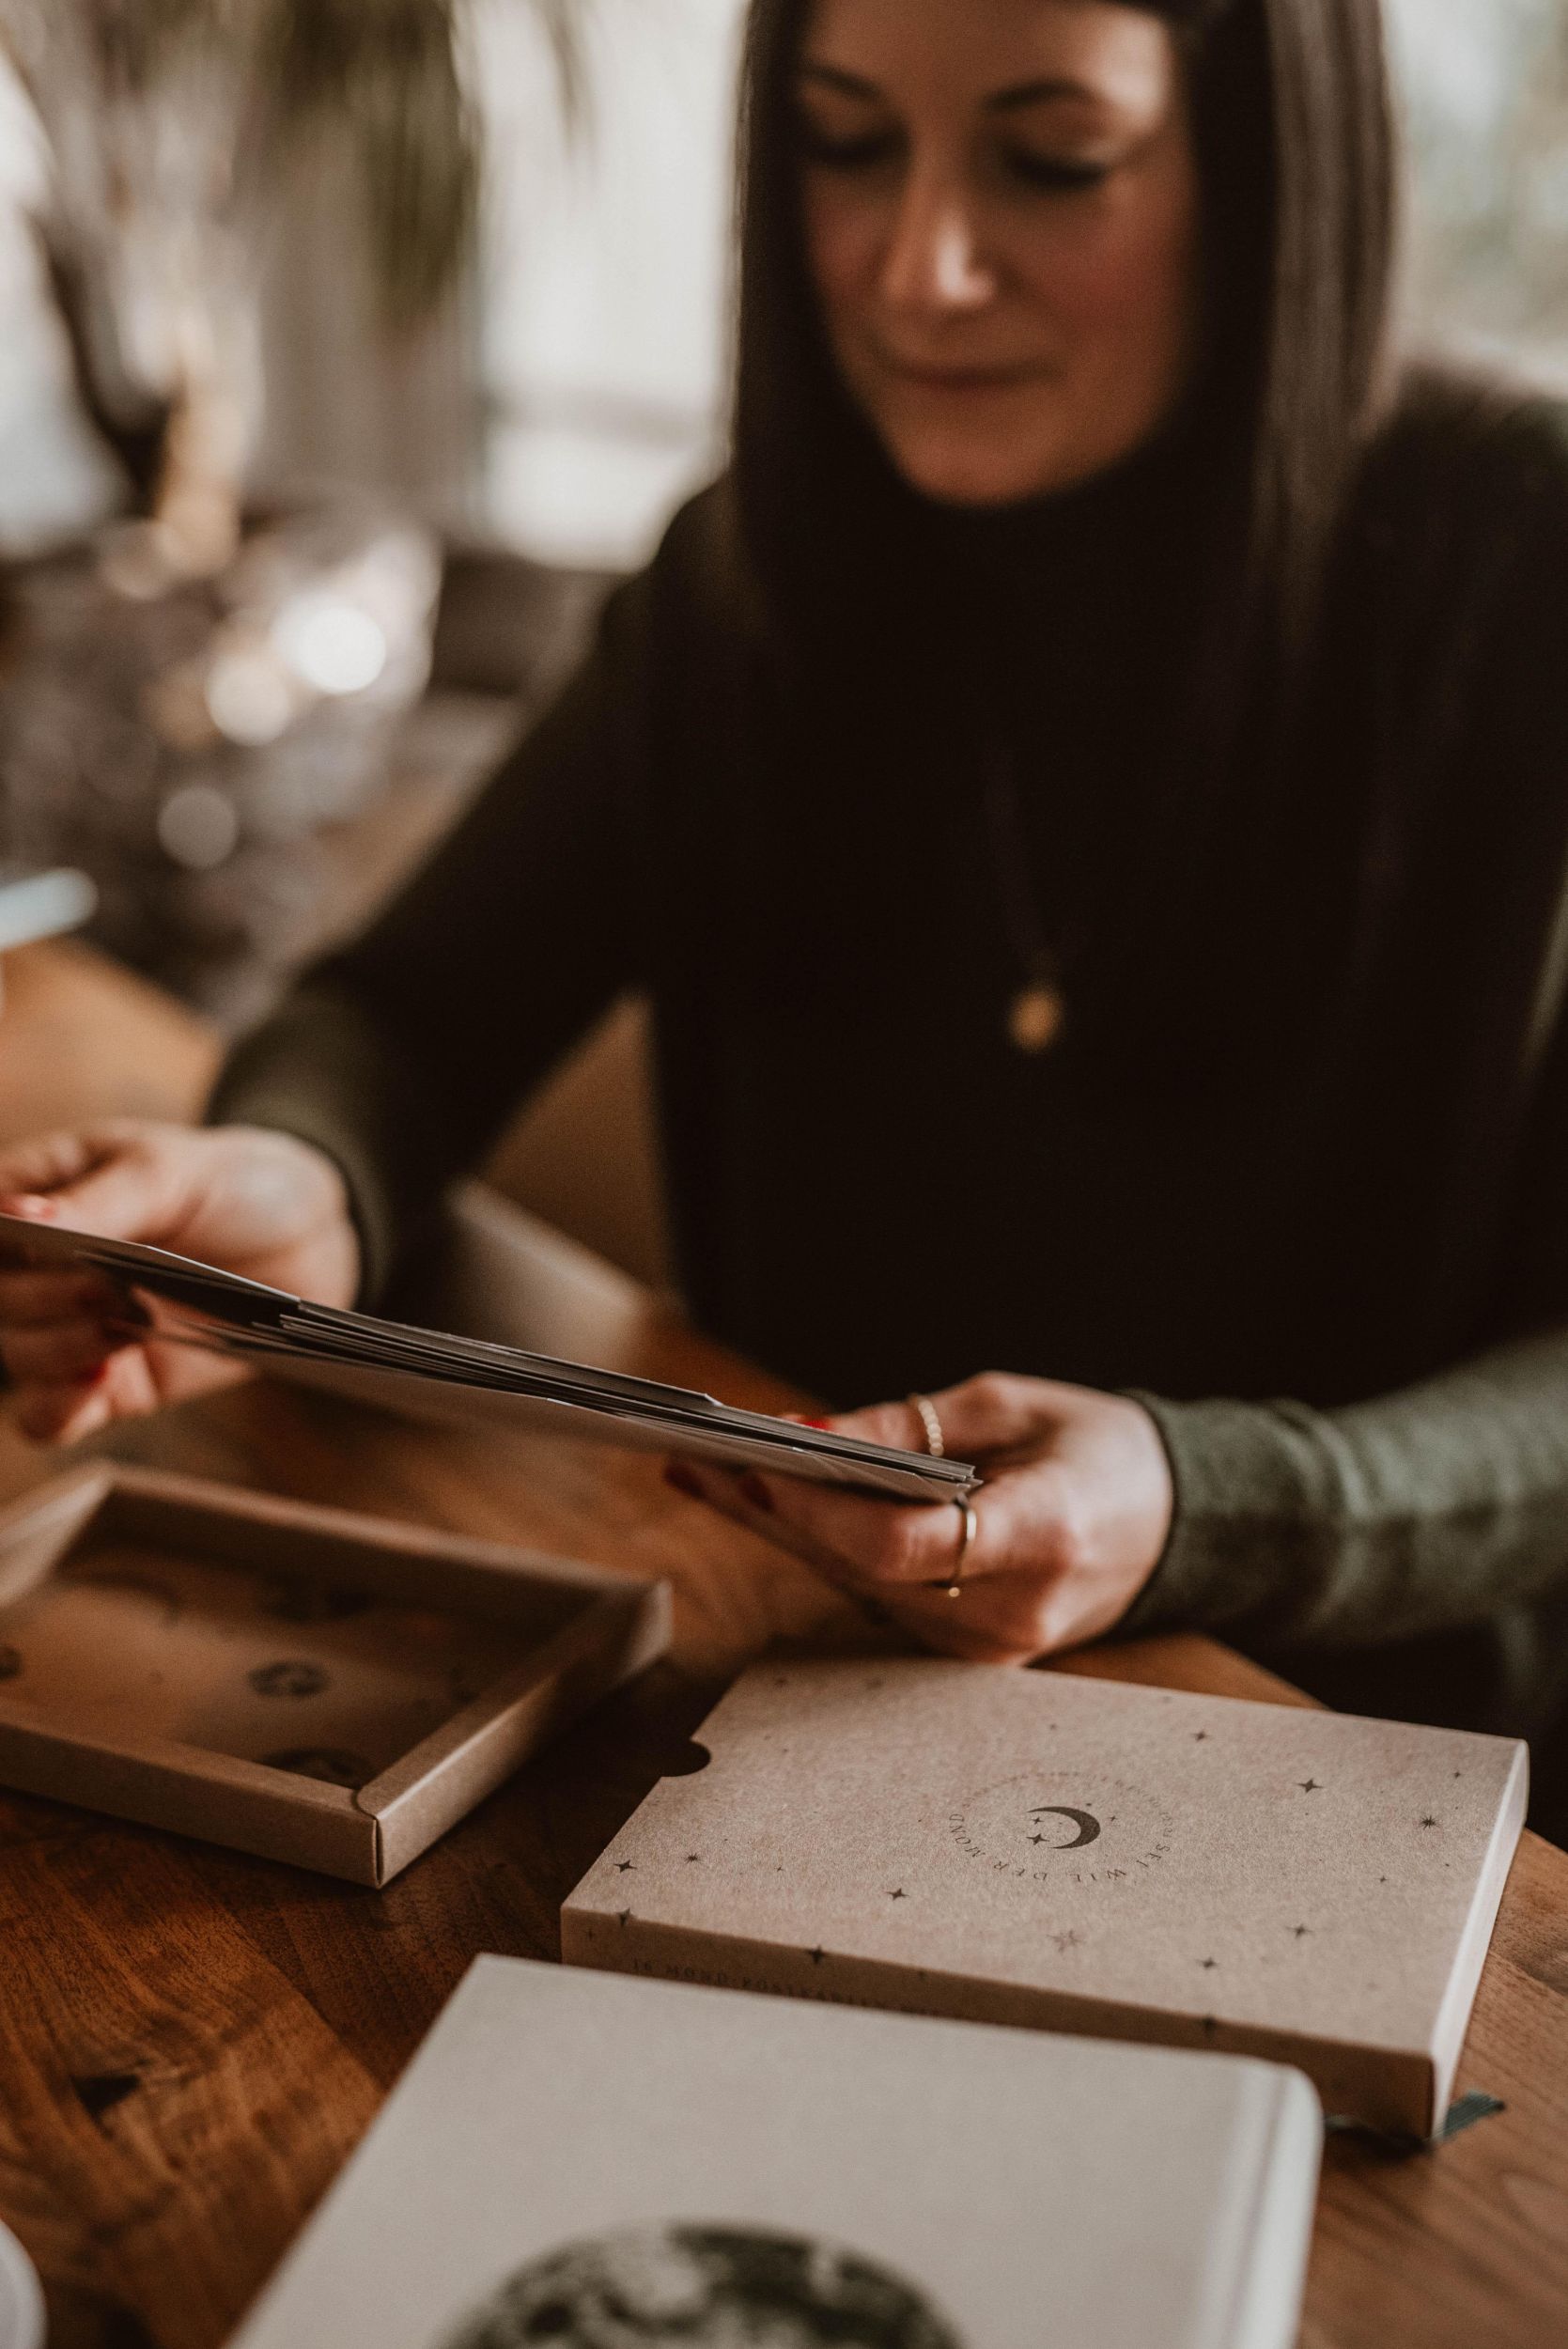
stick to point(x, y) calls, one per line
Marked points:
point(1235, 870)
point(1292, 125)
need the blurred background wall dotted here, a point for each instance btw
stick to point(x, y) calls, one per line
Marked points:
point(1484, 85)
point(248, 724)
point(572, 395)
point(580, 392)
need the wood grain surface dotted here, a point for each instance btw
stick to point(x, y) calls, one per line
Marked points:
point(192, 2040)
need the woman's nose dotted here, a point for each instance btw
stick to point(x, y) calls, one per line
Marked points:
point(934, 261)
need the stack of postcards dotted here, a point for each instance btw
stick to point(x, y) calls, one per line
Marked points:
point(428, 1374)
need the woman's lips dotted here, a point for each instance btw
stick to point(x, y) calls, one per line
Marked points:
point(956, 380)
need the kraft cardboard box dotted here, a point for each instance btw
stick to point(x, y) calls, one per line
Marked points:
point(1034, 1848)
point(292, 1680)
point(582, 2159)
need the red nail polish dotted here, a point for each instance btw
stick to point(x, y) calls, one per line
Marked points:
point(825, 1425)
point(682, 1480)
point(757, 1492)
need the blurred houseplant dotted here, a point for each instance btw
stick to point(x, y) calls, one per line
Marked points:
point(190, 697)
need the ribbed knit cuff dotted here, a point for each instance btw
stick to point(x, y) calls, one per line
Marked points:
point(1253, 1492)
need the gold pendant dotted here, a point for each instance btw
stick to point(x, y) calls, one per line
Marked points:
point(1035, 1018)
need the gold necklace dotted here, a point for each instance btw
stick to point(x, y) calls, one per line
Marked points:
point(1036, 1015)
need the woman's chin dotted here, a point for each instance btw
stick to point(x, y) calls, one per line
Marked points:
point(974, 475)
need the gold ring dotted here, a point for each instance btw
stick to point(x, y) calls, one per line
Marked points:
point(926, 1412)
point(952, 1584)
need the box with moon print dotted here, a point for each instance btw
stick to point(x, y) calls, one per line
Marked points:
point(1079, 1855)
point(292, 1680)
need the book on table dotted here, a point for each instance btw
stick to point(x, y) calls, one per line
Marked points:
point(574, 2158)
point(1081, 1855)
point(470, 1382)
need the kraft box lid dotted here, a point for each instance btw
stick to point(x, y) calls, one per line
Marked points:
point(1031, 1847)
point(294, 1681)
point(581, 2159)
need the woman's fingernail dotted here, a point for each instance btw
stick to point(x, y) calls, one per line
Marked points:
point(757, 1492)
point(682, 1480)
point(825, 1425)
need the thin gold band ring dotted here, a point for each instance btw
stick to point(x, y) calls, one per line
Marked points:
point(952, 1584)
point(926, 1412)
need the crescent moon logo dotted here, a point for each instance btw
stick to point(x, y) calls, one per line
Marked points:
point(1087, 1824)
point(1070, 1827)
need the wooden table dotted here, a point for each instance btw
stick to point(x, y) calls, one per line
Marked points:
point(193, 2041)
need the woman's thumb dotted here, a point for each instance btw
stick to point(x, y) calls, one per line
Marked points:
point(110, 1188)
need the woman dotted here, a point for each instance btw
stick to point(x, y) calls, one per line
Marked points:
point(1088, 798)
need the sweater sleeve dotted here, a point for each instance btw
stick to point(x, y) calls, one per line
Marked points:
point(1434, 1508)
point(402, 1055)
point(1416, 1512)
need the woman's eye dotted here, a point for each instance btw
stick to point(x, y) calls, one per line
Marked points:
point(1060, 174)
point(859, 151)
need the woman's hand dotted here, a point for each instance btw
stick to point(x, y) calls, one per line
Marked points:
point(1069, 1525)
point(254, 1202)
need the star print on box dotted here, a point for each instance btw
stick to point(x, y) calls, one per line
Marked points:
point(287, 1679)
point(1035, 1846)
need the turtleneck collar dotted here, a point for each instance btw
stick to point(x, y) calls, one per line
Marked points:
point(1090, 589)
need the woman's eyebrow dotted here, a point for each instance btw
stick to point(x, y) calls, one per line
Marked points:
point(1038, 94)
point(1019, 96)
point(848, 85)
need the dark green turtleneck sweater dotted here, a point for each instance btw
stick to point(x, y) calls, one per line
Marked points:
point(873, 1191)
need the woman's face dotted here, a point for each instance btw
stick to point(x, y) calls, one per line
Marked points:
point(1001, 211)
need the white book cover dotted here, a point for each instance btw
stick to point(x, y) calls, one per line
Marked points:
point(592, 2162)
point(1036, 1848)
